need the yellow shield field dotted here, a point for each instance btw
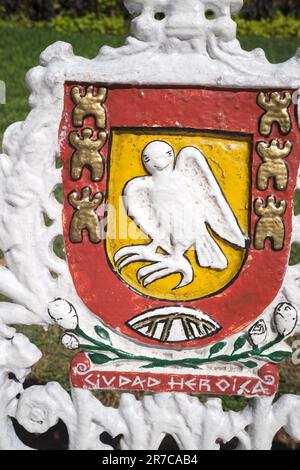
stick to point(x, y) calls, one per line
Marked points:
point(229, 158)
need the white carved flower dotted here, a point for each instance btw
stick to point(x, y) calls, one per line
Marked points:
point(70, 341)
point(285, 318)
point(258, 333)
point(63, 314)
point(37, 411)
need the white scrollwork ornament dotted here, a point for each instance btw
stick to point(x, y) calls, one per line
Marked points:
point(40, 408)
point(184, 48)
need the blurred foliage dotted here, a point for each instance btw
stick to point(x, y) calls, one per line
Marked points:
point(264, 18)
point(88, 23)
point(277, 26)
point(99, 16)
point(258, 9)
point(38, 10)
point(46, 10)
point(261, 9)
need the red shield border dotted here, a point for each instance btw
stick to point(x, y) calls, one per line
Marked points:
point(202, 109)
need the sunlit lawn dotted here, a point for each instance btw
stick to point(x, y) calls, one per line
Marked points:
point(19, 51)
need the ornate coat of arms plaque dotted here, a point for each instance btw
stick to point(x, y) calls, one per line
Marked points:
point(178, 207)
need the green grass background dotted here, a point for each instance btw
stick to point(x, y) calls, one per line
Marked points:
point(19, 51)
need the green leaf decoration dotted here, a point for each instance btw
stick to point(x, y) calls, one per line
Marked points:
point(250, 364)
point(99, 358)
point(217, 348)
point(102, 333)
point(240, 343)
point(279, 356)
point(150, 366)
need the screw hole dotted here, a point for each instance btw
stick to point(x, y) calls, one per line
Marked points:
point(159, 16)
point(210, 14)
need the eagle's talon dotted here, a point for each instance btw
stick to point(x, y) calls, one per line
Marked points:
point(135, 254)
point(124, 253)
point(185, 281)
point(128, 260)
point(156, 276)
point(147, 271)
point(164, 268)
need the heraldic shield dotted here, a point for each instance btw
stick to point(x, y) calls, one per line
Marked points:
point(176, 213)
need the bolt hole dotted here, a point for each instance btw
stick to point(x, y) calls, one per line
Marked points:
point(159, 16)
point(210, 14)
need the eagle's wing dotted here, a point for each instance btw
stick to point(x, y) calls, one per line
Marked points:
point(138, 202)
point(214, 209)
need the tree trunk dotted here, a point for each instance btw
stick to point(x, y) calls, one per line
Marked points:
point(290, 7)
point(258, 9)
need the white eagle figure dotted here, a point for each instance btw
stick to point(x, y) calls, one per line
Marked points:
point(178, 206)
